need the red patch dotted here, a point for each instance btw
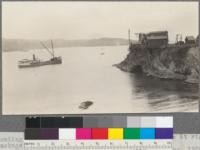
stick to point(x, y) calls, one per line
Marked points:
point(99, 133)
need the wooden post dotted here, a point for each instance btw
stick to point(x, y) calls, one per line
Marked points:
point(176, 38)
point(129, 36)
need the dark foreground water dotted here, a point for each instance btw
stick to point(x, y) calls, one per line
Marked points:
point(87, 74)
point(165, 95)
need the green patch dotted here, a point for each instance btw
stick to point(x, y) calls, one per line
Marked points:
point(131, 133)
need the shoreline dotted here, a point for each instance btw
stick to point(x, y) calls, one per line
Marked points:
point(164, 63)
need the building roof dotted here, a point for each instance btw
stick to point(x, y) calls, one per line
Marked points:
point(190, 38)
point(160, 37)
point(158, 33)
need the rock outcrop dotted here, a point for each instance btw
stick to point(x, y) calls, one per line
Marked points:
point(172, 62)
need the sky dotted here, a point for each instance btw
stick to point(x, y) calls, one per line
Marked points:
point(85, 20)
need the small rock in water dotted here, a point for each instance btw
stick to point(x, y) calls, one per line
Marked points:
point(85, 104)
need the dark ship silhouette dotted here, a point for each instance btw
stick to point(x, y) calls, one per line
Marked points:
point(35, 62)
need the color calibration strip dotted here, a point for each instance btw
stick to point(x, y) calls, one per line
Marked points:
point(100, 122)
point(132, 128)
point(98, 133)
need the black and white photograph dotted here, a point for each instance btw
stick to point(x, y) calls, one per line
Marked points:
point(86, 57)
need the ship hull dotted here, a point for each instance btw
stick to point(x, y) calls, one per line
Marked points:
point(29, 64)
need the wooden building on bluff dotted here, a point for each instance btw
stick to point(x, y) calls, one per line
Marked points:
point(154, 39)
point(190, 40)
point(197, 40)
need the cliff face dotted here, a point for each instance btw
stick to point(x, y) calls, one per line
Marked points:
point(172, 62)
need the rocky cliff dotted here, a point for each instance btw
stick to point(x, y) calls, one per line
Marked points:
point(172, 62)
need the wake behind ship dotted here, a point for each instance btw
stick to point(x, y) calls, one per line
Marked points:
point(35, 62)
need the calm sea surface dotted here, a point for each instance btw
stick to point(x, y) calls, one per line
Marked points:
point(87, 74)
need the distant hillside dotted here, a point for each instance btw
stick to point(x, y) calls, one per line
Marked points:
point(24, 45)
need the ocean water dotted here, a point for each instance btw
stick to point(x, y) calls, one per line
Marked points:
point(87, 74)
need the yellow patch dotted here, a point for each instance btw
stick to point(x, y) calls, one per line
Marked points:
point(115, 133)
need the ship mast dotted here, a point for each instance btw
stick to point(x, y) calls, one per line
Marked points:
point(48, 50)
point(52, 48)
